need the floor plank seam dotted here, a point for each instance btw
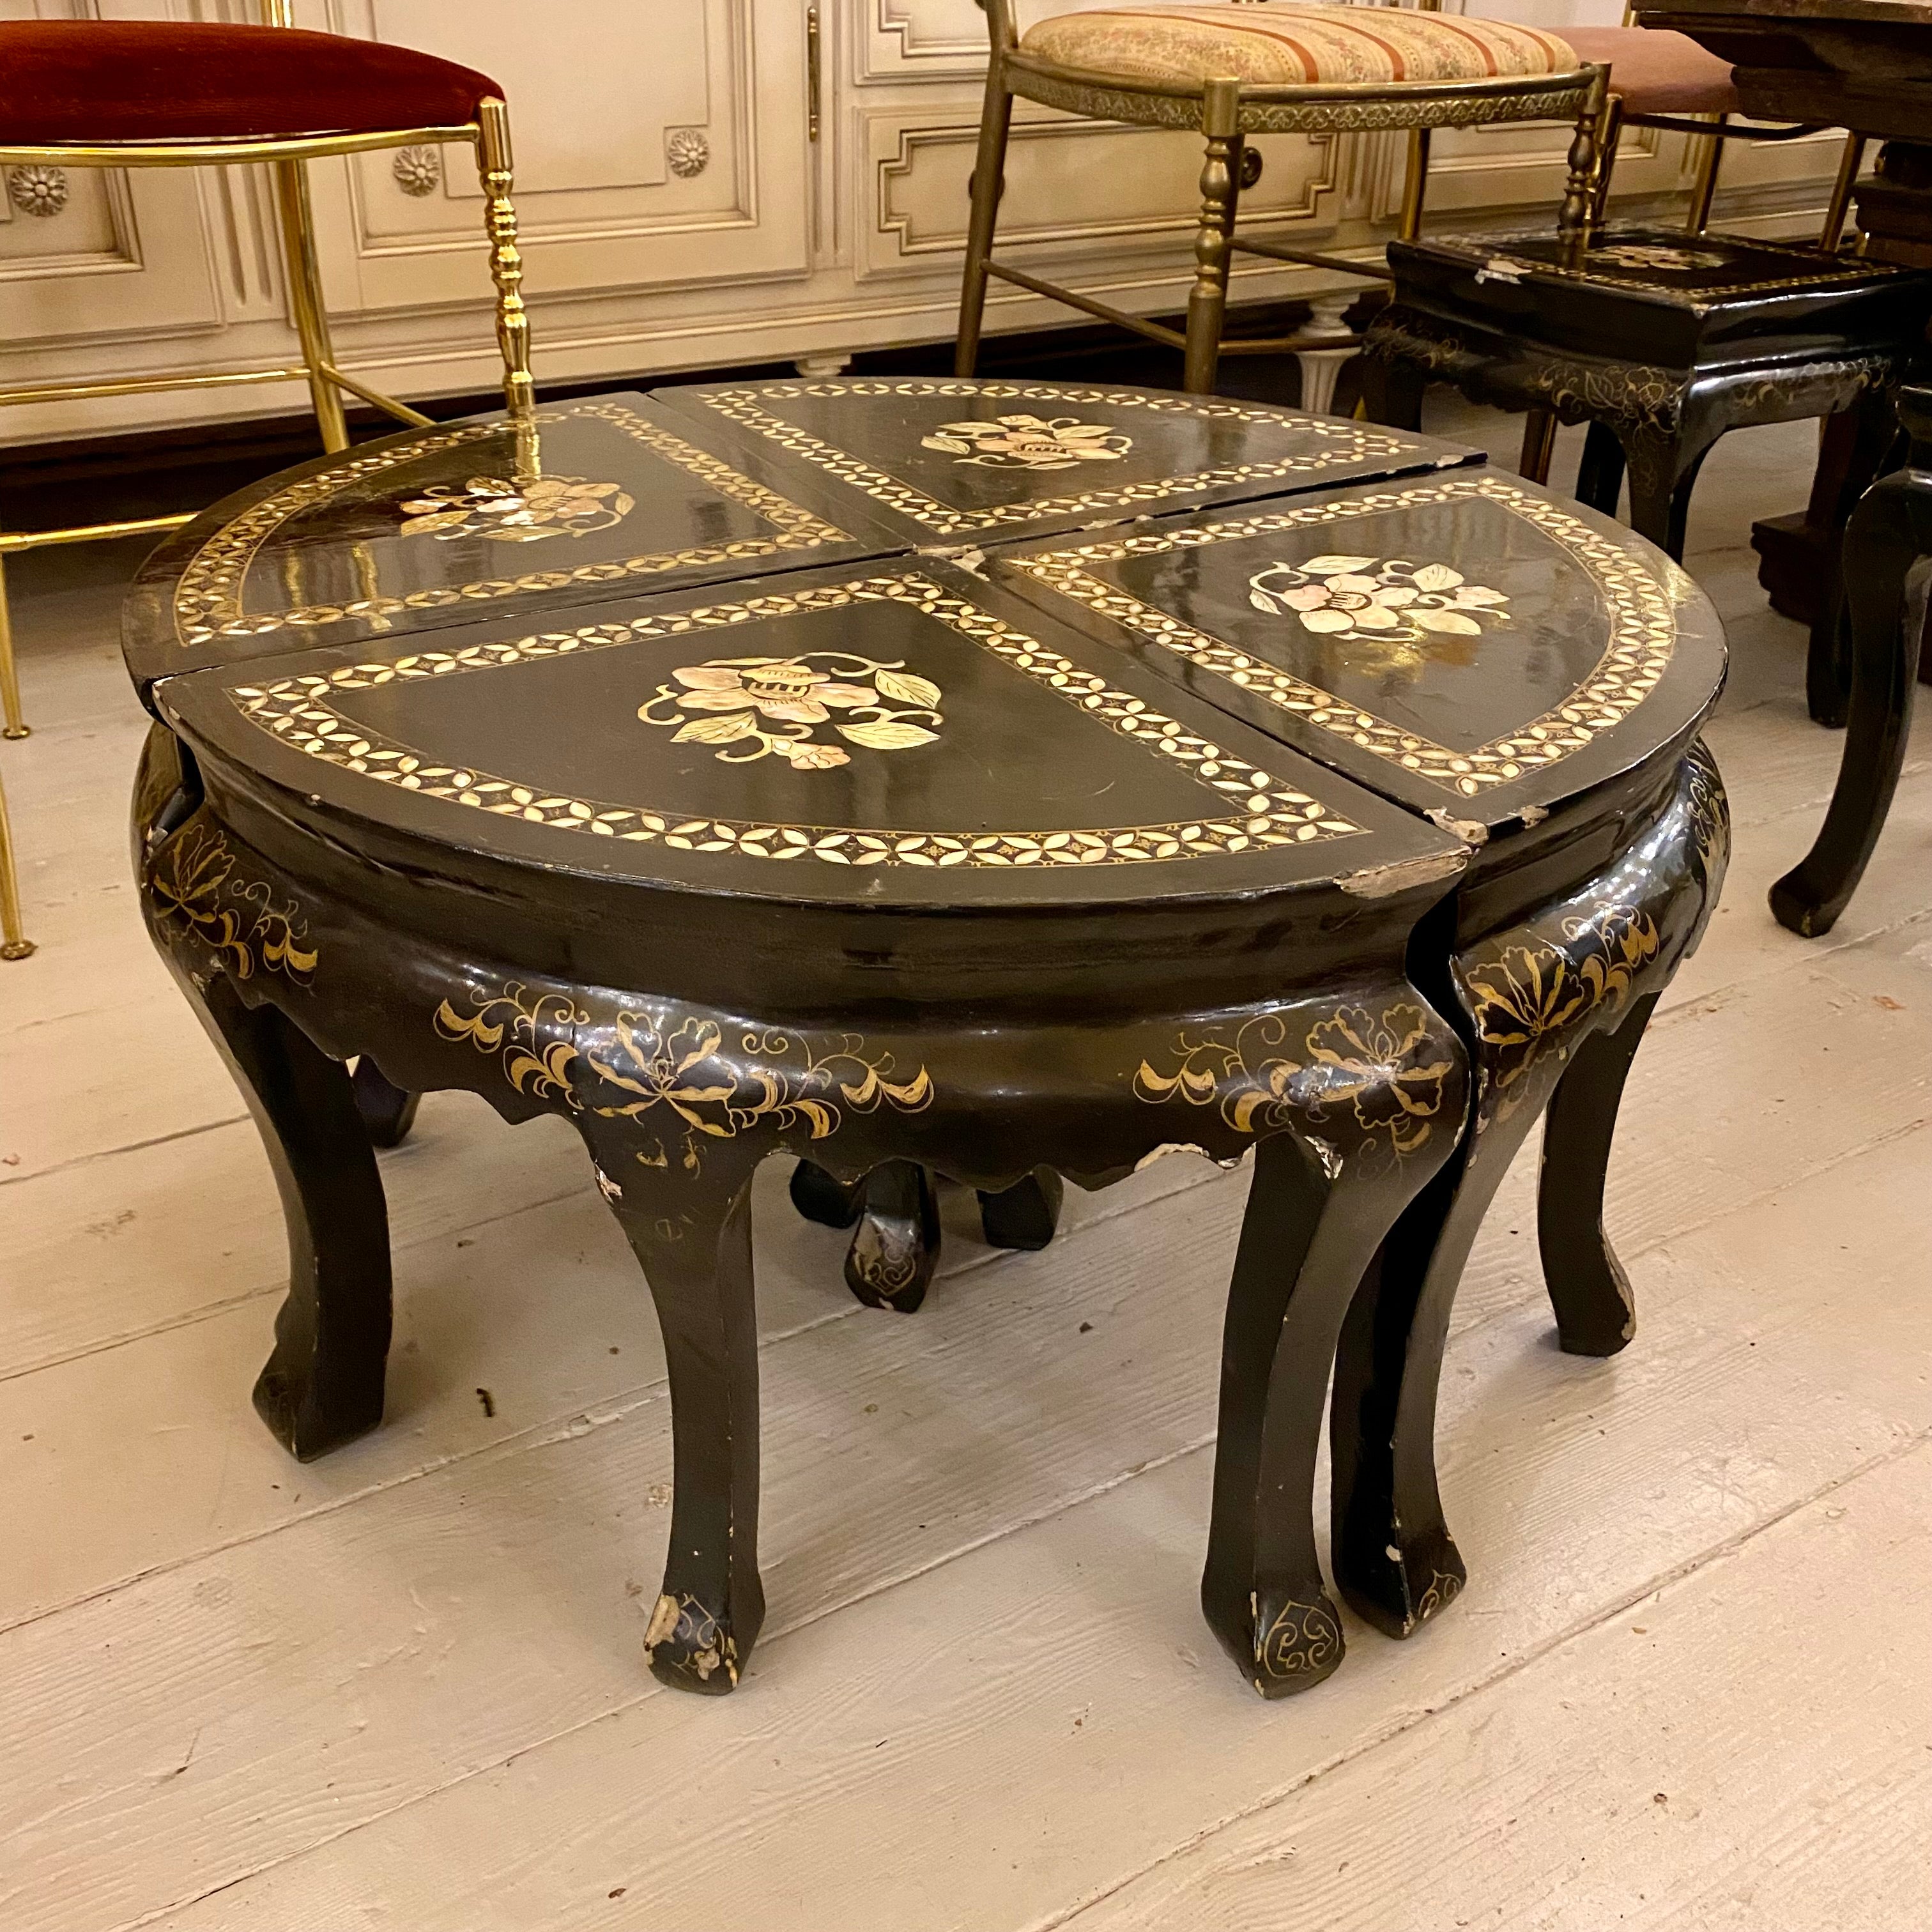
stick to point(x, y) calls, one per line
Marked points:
point(556, 1428)
point(108, 1153)
point(772, 1635)
point(1910, 1445)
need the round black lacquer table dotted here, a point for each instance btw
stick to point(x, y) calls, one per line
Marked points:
point(998, 781)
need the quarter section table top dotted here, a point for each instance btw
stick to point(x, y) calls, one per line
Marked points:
point(889, 648)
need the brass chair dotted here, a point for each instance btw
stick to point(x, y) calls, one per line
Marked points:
point(121, 95)
point(1238, 68)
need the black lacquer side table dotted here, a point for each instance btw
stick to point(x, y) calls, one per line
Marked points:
point(879, 860)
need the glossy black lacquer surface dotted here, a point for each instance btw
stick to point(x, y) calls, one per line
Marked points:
point(1665, 297)
point(1467, 645)
point(906, 869)
point(963, 461)
point(603, 497)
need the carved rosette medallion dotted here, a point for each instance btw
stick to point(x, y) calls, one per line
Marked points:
point(37, 189)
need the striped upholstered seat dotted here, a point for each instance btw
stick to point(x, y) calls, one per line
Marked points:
point(1284, 44)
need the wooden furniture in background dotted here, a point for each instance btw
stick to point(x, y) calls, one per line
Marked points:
point(1865, 65)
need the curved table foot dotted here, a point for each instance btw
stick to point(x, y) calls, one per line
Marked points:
point(1887, 575)
point(323, 1385)
point(387, 1110)
point(1307, 1239)
point(1596, 1312)
point(692, 1236)
point(893, 1256)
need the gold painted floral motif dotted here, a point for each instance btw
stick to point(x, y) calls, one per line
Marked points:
point(881, 715)
point(1302, 1637)
point(1528, 998)
point(702, 1647)
point(526, 510)
point(1398, 610)
point(1444, 1589)
point(771, 1079)
point(240, 921)
point(518, 1027)
point(1389, 1071)
point(1024, 442)
point(1648, 255)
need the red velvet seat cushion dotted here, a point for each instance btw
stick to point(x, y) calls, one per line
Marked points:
point(99, 80)
point(1656, 72)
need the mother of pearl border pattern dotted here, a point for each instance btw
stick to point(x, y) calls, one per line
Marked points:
point(1643, 634)
point(1357, 443)
point(1252, 810)
point(207, 599)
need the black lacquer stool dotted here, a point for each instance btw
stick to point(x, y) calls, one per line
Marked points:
point(1660, 339)
point(1251, 824)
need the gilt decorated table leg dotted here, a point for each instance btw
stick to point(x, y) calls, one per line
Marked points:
point(1554, 1005)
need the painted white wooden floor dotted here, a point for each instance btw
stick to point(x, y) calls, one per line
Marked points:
point(402, 1690)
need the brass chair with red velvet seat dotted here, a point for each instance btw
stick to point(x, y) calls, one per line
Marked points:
point(159, 93)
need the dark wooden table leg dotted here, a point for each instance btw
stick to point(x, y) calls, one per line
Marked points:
point(1600, 474)
point(1392, 392)
point(1596, 1313)
point(1663, 472)
point(692, 1236)
point(323, 1385)
point(1306, 1240)
point(892, 1259)
point(387, 1111)
point(1887, 572)
point(1025, 1216)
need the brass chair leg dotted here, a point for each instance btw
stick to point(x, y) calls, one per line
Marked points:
point(1610, 133)
point(493, 164)
point(14, 943)
point(1220, 190)
point(1705, 189)
point(1841, 203)
point(1415, 185)
point(1539, 445)
point(9, 674)
point(988, 181)
point(305, 298)
point(1578, 215)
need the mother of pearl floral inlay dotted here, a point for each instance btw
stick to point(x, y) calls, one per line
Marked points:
point(1365, 597)
point(731, 695)
point(1024, 442)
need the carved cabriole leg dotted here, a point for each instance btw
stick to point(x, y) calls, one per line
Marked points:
point(1213, 252)
point(1392, 390)
point(1534, 997)
point(890, 1262)
point(494, 167)
point(323, 1385)
point(388, 1111)
point(1663, 470)
point(1364, 1107)
point(1887, 569)
point(1596, 1313)
point(691, 1233)
point(989, 184)
point(1600, 474)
